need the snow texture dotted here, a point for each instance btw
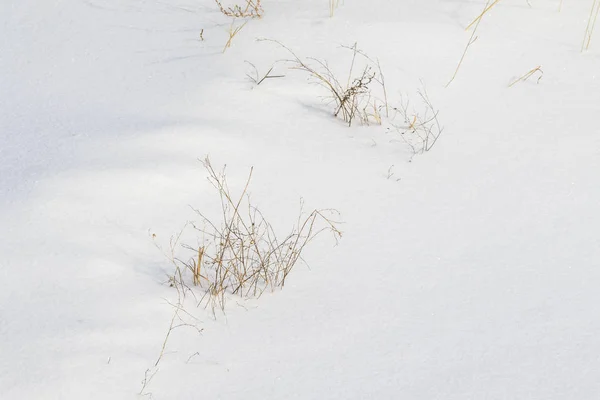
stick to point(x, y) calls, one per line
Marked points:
point(468, 272)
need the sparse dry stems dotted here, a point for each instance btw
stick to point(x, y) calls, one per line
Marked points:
point(260, 78)
point(472, 39)
point(232, 32)
point(420, 131)
point(252, 9)
point(178, 319)
point(352, 99)
point(242, 255)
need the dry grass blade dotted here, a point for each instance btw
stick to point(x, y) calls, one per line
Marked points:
point(232, 32)
point(528, 75)
point(472, 40)
point(333, 4)
point(589, 30)
point(197, 267)
point(260, 78)
point(487, 8)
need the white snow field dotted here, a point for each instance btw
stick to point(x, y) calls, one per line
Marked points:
point(471, 271)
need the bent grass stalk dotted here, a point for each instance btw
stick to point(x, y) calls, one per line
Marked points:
point(528, 75)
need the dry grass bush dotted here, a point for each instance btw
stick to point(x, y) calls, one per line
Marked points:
point(419, 130)
point(363, 97)
point(355, 99)
point(252, 9)
point(241, 254)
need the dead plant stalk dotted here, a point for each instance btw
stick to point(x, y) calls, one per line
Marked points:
point(252, 9)
point(589, 30)
point(232, 32)
point(528, 75)
point(472, 39)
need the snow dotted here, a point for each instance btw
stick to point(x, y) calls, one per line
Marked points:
point(470, 272)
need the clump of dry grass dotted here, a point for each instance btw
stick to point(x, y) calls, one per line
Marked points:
point(241, 254)
point(252, 9)
point(363, 97)
point(354, 99)
point(420, 130)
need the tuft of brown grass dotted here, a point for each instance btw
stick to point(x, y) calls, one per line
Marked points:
point(252, 9)
point(353, 99)
point(240, 253)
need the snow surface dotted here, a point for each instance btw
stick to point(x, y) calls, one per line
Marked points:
point(472, 272)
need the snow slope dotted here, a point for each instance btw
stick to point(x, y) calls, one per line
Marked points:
point(470, 272)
